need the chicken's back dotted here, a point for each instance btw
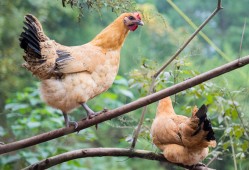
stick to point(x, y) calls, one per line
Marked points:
point(164, 130)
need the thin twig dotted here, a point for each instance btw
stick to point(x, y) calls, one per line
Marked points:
point(239, 115)
point(242, 37)
point(219, 6)
point(63, 3)
point(190, 38)
point(83, 124)
point(232, 146)
point(137, 131)
point(213, 159)
point(203, 35)
point(99, 152)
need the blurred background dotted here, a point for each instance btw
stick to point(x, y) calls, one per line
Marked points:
point(23, 114)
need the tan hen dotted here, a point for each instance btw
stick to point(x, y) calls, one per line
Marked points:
point(183, 140)
point(70, 76)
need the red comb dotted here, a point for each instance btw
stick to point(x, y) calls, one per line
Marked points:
point(137, 15)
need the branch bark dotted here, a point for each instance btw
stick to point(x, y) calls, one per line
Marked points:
point(99, 152)
point(126, 108)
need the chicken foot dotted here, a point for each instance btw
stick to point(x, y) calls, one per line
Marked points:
point(200, 165)
point(68, 123)
point(90, 112)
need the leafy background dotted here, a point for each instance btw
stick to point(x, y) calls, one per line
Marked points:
point(23, 114)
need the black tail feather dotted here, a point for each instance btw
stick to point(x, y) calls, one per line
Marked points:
point(30, 27)
point(31, 30)
point(208, 127)
point(29, 40)
point(26, 38)
point(202, 115)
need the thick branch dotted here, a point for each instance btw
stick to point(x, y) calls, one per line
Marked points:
point(126, 108)
point(99, 152)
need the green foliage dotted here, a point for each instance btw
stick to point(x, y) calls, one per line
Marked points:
point(224, 111)
point(117, 6)
point(28, 116)
point(27, 113)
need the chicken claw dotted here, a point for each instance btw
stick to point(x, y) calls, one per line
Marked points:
point(68, 123)
point(198, 166)
point(90, 112)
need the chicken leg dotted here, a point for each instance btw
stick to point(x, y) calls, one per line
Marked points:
point(68, 123)
point(90, 112)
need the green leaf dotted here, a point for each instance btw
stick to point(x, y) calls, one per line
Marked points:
point(109, 95)
point(33, 124)
point(220, 118)
point(127, 93)
point(2, 131)
point(15, 106)
point(32, 160)
point(121, 81)
point(240, 155)
point(226, 145)
point(245, 146)
point(60, 121)
point(234, 114)
point(228, 130)
point(238, 131)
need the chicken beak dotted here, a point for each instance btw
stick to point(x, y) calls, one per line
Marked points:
point(139, 22)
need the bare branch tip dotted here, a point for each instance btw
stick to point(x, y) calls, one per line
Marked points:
point(63, 3)
point(219, 6)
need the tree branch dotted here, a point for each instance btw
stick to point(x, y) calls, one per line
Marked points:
point(202, 34)
point(99, 152)
point(126, 108)
point(154, 77)
point(218, 8)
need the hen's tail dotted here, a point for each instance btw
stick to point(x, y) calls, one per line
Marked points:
point(31, 37)
point(34, 41)
point(204, 123)
point(197, 131)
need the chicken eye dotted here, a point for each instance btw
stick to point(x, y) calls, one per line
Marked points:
point(131, 18)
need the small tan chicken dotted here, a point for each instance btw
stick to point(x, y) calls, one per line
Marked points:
point(70, 76)
point(183, 140)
